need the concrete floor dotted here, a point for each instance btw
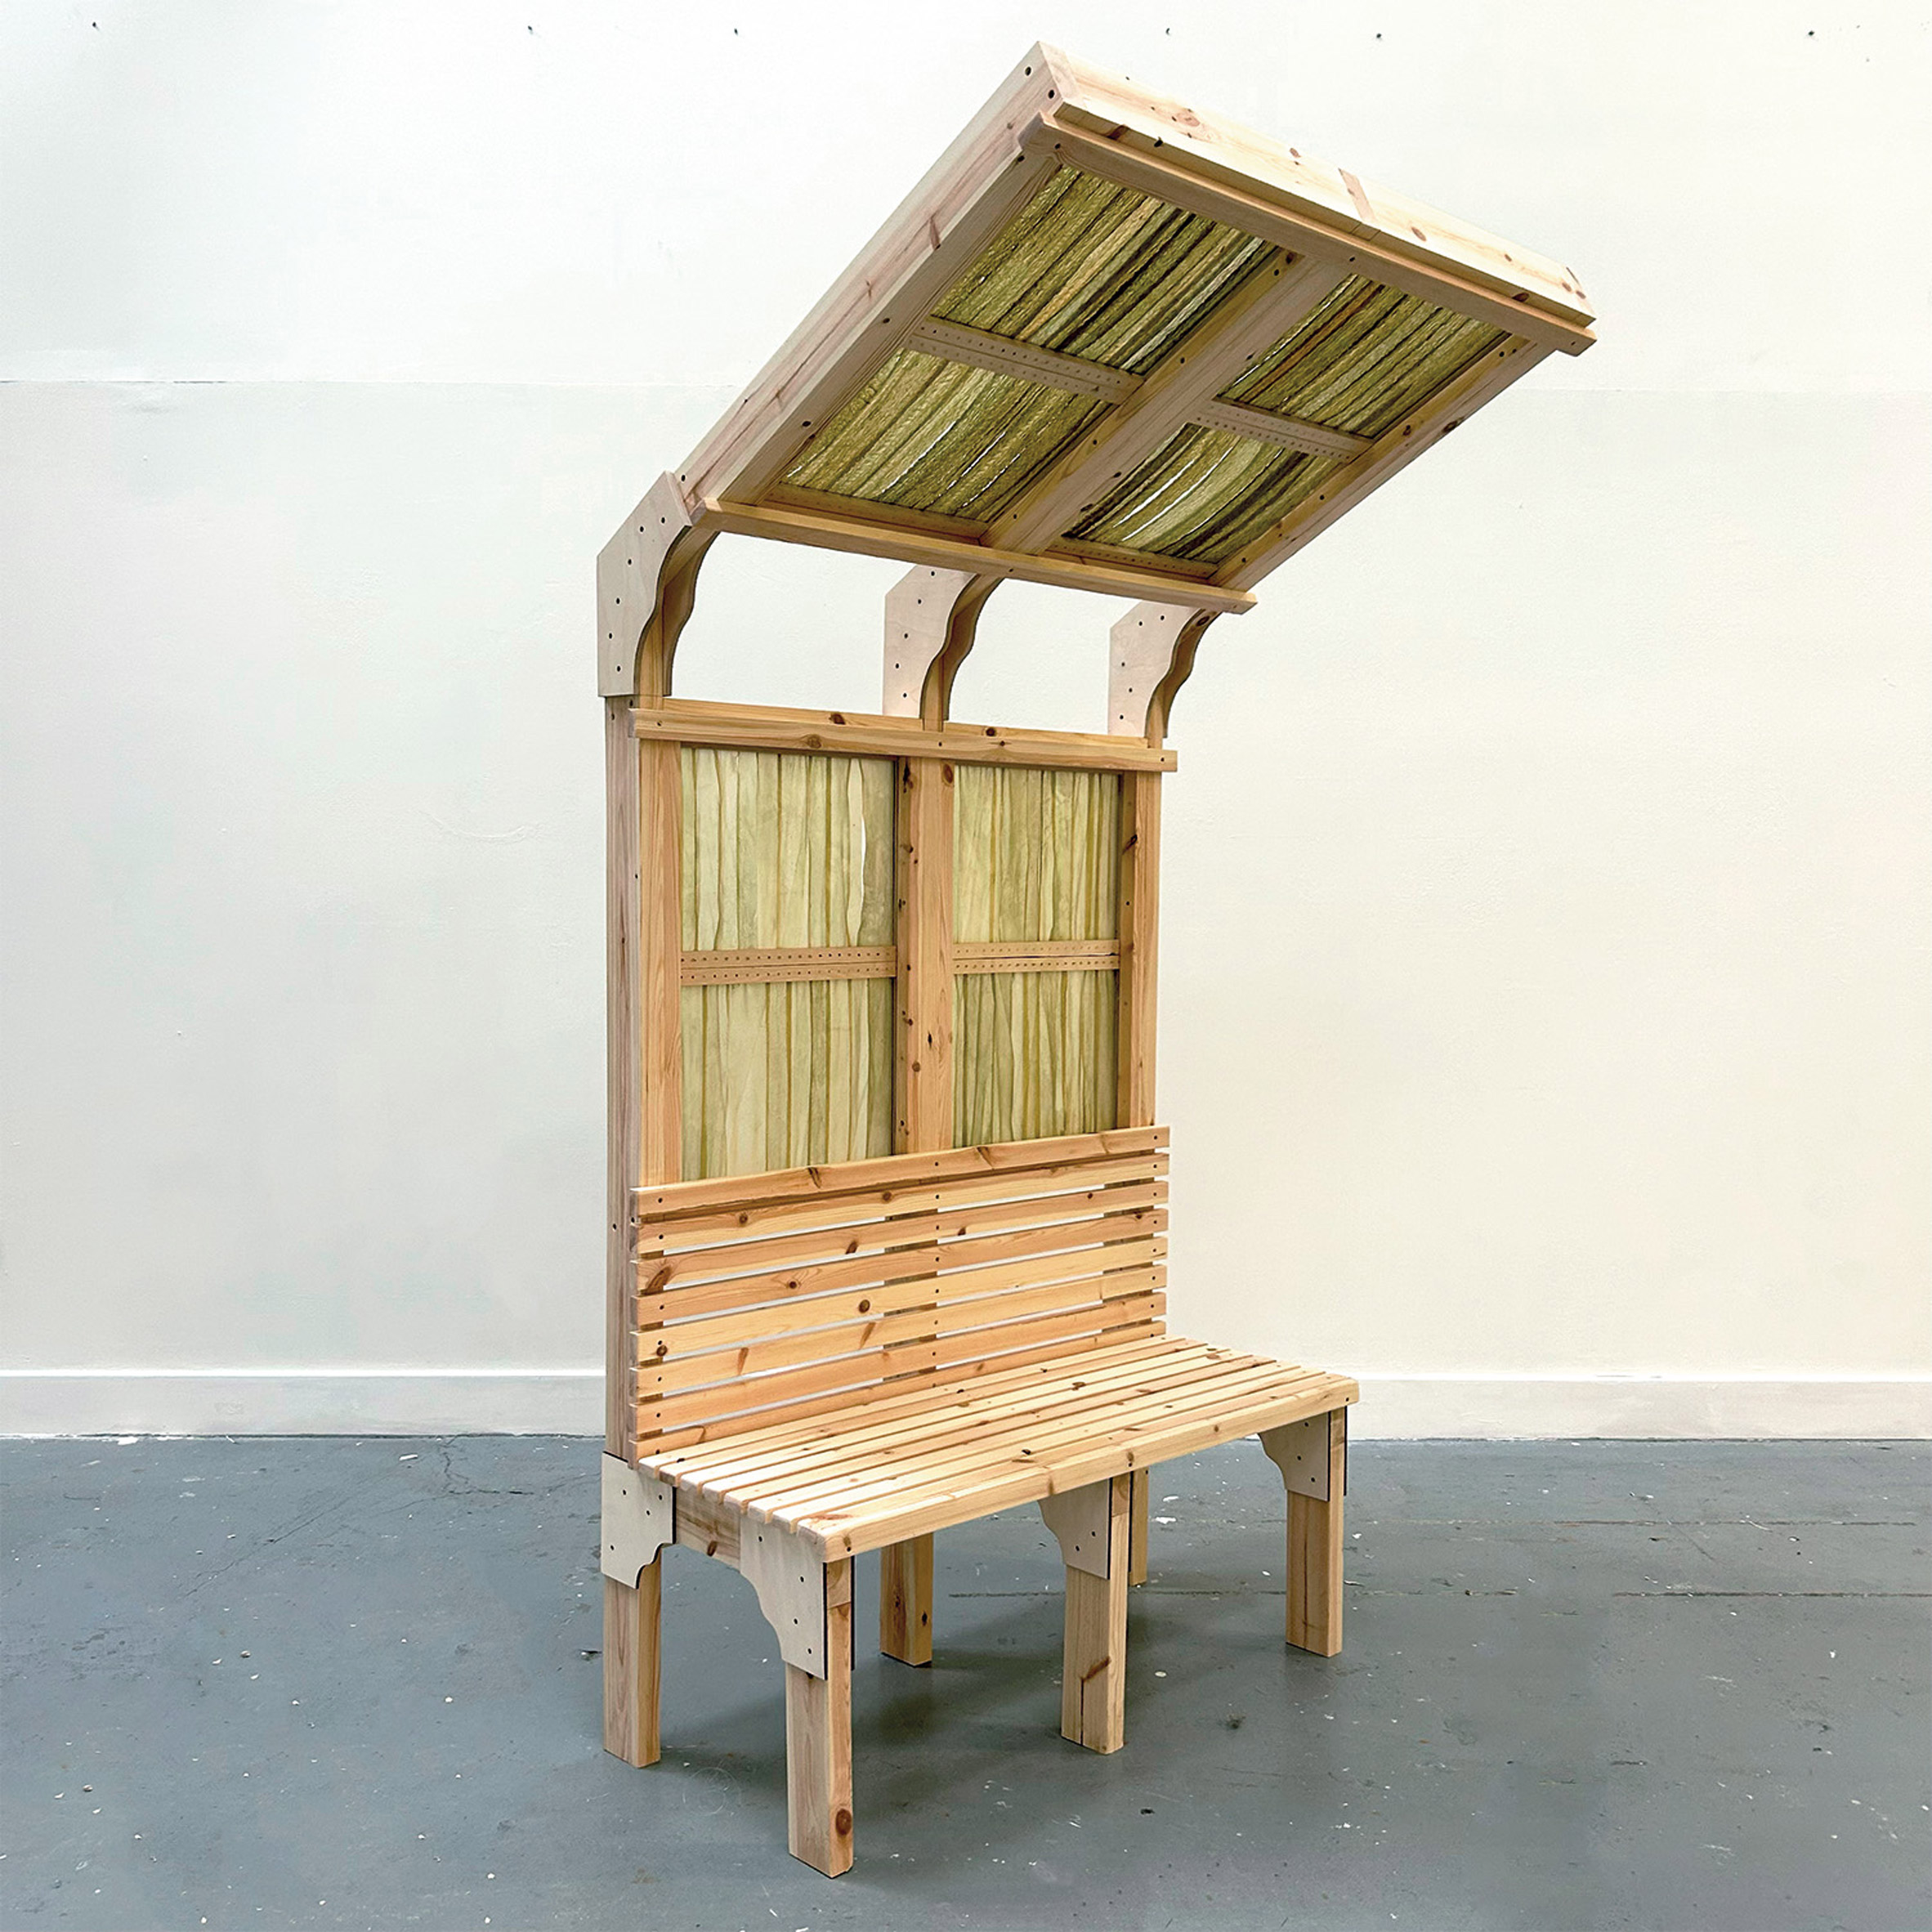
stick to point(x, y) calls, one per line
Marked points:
point(329, 1682)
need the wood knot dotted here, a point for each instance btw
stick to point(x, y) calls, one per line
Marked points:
point(864, 1308)
point(842, 1821)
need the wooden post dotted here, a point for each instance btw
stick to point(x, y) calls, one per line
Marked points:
point(906, 1600)
point(924, 1074)
point(633, 1664)
point(1138, 925)
point(1313, 1458)
point(643, 805)
point(923, 1087)
point(1093, 1667)
point(818, 1740)
point(1137, 1525)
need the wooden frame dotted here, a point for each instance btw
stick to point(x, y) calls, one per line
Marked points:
point(805, 1366)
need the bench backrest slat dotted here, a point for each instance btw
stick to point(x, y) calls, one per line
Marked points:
point(775, 1294)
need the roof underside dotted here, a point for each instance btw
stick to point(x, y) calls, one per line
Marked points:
point(1109, 342)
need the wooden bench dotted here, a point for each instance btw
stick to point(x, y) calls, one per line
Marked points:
point(833, 1360)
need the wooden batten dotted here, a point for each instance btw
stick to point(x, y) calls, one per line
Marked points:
point(624, 1063)
point(862, 536)
point(923, 1071)
point(1139, 928)
point(1235, 336)
point(767, 728)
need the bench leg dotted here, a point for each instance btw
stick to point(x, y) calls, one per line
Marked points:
point(1313, 1458)
point(631, 1667)
point(906, 1600)
point(818, 1740)
point(1092, 1525)
point(1136, 1527)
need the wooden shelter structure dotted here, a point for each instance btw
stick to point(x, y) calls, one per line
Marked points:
point(886, 1182)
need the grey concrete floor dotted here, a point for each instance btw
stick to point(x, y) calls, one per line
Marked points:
point(326, 1682)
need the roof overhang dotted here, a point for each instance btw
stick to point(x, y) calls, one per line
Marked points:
point(1113, 343)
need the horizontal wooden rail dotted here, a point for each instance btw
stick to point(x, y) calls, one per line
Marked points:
point(855, 534)
point(731, 966)
point(1036, 955)
point(751, 965)
point(761, 727)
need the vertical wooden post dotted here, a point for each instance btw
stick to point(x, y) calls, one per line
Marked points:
point(1138, 928)
point(906, 1600)
point(633, 1667)
point(818, 1740)
point(923, 1082)
point(1138, 920)
point(923, 1090)
point(645, 1131)
point(1093, 1665)
point(1315, 1551)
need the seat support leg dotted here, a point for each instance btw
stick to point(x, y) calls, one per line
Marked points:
point(818, 1739)
point(631, 1667)
point(1136, 1527)
point(1092, 1525)
point(1313, 1458)
point(906, 1600)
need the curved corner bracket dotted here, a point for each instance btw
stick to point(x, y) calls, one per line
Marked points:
point(639, 1516)
point(1303, 1452)
point(930, 619)
point(790, 1578)
point(1080, 1520)
point(1151, 652)
point(647, 583)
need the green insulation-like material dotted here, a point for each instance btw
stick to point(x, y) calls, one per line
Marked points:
point(1086, 268)
point(785, 1076)
point(1033, 1055)
point(1036, 855)
point(1363, 359)
point(1101, 272)
point(784, 849)
point(938, 437)
point(1203, 495)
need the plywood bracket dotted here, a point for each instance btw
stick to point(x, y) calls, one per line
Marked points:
point(639, 1518)
point(1150, 654)
point(931, 616)
point(648, 582)
point(790, 1578)
point(1300, 1450)
point(1082, 1523)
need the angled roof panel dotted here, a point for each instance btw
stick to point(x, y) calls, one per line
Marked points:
point(1110, 340)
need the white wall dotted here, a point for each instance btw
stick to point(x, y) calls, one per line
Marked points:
point(1546, 1027)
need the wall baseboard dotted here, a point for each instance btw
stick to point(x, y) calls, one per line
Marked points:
point(302, 1402)
point(1643, 1407)
point(570, 1402)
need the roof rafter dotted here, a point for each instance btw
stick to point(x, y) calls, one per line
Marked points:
point(950, 553)
point(1236, 335)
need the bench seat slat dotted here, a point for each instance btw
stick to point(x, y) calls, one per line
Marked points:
point(963, 1424)
point(886, 1406)
point(1076, 1435)
point(917, 1474)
